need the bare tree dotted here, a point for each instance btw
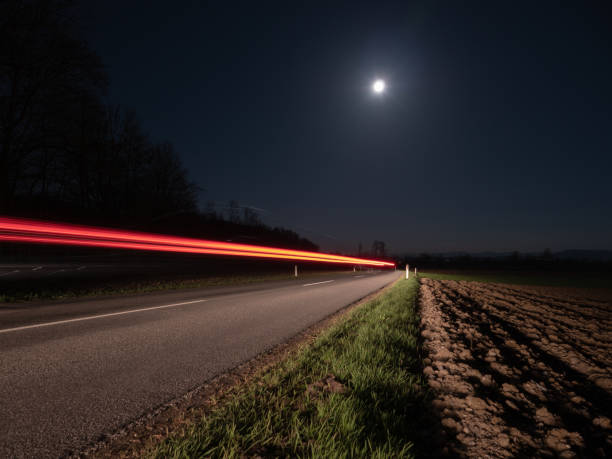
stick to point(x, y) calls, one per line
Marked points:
point(45, 71)
point(169, 187)
point(233, 211)
point(61, 148)
point(379, 249)
point(250, 216)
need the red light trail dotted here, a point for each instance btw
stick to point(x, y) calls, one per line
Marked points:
point(38, 232)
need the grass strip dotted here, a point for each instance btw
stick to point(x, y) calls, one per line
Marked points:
point(578, 280)
point(357, 391)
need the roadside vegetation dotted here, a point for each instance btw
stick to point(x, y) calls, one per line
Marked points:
point(76, 288)
point(65, 292)
point(554, 279)
point(357, 390)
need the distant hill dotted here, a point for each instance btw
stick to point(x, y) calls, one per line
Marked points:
point(586, 255)
point(570, 254)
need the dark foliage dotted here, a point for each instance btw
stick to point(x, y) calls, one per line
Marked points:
point(66, 155)
point(63, 153)
point(514, 261)
point(246, 229)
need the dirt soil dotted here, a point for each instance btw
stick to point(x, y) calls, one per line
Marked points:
point(519, 371)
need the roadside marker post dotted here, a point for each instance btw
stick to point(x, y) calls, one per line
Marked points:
point(415, 272)
point(296, 271)
point(407, 271)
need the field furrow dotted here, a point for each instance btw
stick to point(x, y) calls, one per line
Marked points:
point(519, 371)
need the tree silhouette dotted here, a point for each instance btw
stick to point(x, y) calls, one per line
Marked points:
point(65, 154)
point(250, 216)
point(46, 76)
point(62, 151)
point(379, 249)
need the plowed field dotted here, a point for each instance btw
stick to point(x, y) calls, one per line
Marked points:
point(519, 371)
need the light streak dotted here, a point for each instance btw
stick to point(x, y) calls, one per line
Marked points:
point(38, 232)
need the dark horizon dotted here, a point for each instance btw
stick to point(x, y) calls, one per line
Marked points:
point(492, 135)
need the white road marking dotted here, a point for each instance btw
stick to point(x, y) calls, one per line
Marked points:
point(37, 268)
point(11, 272)
point(81, 267)
point(317, 283)
point(78, 319)
point(359, 276)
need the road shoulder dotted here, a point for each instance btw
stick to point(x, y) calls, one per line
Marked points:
point(153, 427)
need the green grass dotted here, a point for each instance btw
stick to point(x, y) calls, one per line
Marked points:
point(578, 279)
point(374, 354)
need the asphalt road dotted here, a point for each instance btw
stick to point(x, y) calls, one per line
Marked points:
point(70, 372)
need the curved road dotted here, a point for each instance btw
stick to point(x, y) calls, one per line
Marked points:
point(70, 372)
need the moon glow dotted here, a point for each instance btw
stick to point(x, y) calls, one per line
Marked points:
point(379, 86)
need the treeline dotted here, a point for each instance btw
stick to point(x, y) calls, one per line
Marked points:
point(63, 151)
point(544, 261)
point(67, 155)
point(233, 223)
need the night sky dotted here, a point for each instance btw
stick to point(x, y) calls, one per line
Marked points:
point(495, 132)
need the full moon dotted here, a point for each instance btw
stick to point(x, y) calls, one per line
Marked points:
point(378, 86)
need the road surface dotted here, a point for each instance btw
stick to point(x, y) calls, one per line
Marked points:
point(70, 372)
